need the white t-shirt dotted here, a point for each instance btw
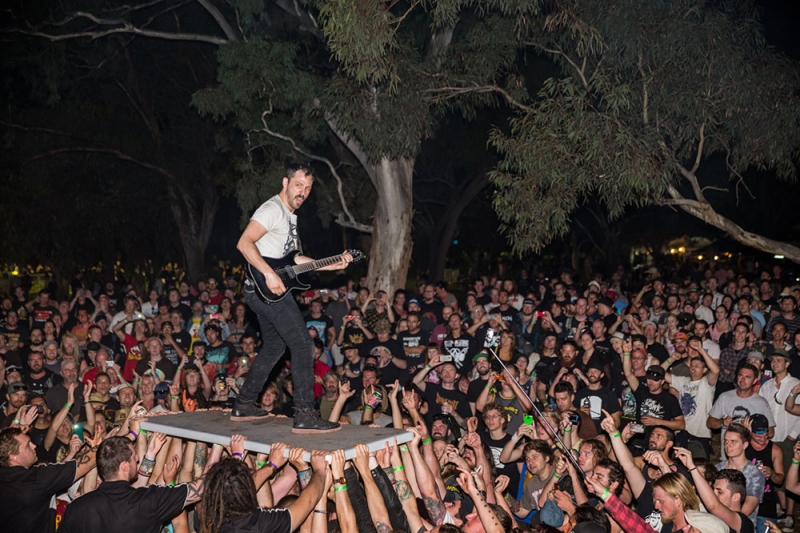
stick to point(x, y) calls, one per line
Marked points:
point(281, 225)
point(776, 398)
point(729, 404)
point(712, 349)
point(696, 399)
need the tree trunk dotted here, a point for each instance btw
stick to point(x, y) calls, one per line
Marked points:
point(194, 223)
point(441, 237)
point(705, 212)
point(390, 255)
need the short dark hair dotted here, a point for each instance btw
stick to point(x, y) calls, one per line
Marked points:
point(111, 453)
point(615, 473)
point(564, 386)
point(740, 430)
point(9, 445)
point(539, 446)
point(305, 168)
point(747, 366)
point(586, 513)
point(737, 483)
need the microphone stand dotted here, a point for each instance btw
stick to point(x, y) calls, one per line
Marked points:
point(553, 432)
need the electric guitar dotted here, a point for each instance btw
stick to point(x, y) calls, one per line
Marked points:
point(287, 270)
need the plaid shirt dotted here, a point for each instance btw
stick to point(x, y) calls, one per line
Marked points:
point(728, 361)
point(628, 520)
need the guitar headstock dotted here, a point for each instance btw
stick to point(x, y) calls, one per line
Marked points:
point(358, 255)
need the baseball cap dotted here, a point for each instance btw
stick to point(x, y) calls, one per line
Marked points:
point(348, 346)
point(528, 301)
point(200, 344)
point(780, 352)
point(755, 355)
point(213, 326)
point(595, 363)
point(13, 368)
point(413, 301)
point(605, 300)
point(655, 372)
point(100, 316)
point(382, 326)
point(92, 346)
point(480, 355)
point(17, 386)
point(649, 323)
point(759, 424)
point(680, 335)
point(161, 390)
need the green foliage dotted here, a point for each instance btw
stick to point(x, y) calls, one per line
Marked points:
point(639, 82)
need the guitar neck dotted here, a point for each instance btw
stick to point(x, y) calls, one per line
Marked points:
point(315, 265)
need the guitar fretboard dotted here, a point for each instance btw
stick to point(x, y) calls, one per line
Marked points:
point(319, 263)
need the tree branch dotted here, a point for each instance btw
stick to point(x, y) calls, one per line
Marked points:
point(108, 151)
point(645, 118)
point(580, 70)
point(350, 221)
point(453, 92)
point(307, 22)
point(700, 148)
point(221, 21)
point(127, 28)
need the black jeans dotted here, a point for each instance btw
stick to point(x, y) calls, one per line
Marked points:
point(282, 326)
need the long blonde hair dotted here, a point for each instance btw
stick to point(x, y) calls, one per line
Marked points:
point(676, 485)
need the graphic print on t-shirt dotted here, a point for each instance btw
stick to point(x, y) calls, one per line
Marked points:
point(652, 408)
point(740, 413)
point(292, 242)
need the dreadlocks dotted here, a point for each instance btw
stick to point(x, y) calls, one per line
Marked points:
point(229, 491)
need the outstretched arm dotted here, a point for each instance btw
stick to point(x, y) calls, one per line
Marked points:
point(632, 472)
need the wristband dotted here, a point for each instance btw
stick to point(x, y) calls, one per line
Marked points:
point(556, 476)
point(171, 484)
point(795, 462)
point(320, 511)
point(398, 468)
point(692, 469)
point(16, 421)
point(403, 448)
point(340, 487)
point(626, 355)
point(427, 441)
point(68, 405)
point(487, 386)
point(135, 435)
point(427, 367)
point(515, 438)
point(615, 435)
point(175, 397)
point(273, 465)
point(368, 407)
point(567, 431)
point(261, 464)
point(794, 396)
point(605, 495)
point(237, 455)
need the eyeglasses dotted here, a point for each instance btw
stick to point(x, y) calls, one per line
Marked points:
point(492, 417)
point(777, 400)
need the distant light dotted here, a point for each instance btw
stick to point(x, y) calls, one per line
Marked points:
point(681, 249)
point(672, 250)
point(15, 272)
point(779, 257)
point(699, 257)
point(455, 242)
point(716, 258)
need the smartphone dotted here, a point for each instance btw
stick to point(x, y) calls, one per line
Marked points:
point(540, 314)
point(40, 408)
point(527, 420)
point(77, 429)
point(446, 358)
point(214, 308)
point(350, 317)
point(214, 316)
point(637, 428)
point(141, 411)
point(323, 292)
point(498, 376)
point(244, 360)
point(492, 317)
point(573, 418)
point(221, 386)
point(110, 364)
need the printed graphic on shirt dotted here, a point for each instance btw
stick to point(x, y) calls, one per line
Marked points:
point(652, 408)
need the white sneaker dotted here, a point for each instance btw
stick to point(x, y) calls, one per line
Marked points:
point(788, 525)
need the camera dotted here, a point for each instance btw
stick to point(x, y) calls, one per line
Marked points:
point(540, 314)
point(323, 292)
point(446, 358)
point(40, 408)
point(573, 418)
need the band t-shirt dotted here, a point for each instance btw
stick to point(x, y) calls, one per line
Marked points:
point(435, 396)
point(597, 400)
point(281, 225)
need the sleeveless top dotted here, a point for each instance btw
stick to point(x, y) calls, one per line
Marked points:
point(768, 506)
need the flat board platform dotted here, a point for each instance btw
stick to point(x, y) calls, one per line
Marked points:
point(215, 427)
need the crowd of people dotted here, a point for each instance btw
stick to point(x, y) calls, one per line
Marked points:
point(624, 403)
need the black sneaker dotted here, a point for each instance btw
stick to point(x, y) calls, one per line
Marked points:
point(246, 412)
point(308, 421)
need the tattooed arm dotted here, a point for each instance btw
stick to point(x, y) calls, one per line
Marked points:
point(85, 460)
point(195, 491)
point(426, 482)
point(377, 507)
point(488, 518)
point(403, 490)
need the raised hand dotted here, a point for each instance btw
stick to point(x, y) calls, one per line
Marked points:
point(344, 389)
point(411, 400)
point(472, 424)
point(654, 458)
point(501, 483)
point(627, 346)
point(87, 391)
point(467, 481)
point(171, 468)
point(175, 389)
point(74, 445)
point(473, 440)
point(276, 454)
point(361, 460)
point(71, 393)
point(318, 462)
point(337, 463)
point(384, 456)
point(156, 442)
point(237, 445)
point(296, 459)
point(27, 417)
point(608, 424)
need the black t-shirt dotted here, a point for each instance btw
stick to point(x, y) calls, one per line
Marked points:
point(510, 316)
point(182, 339)
point(117, 506)
point(272, 520)
point(476, 388)
point(433, 310)
point(414, 340)
point(183, 309)
point(321, 325)
point(435, 395)
point(597, 400)
point(41, 314)
point(658, 351)
point(384, 351)
point(463, 349)
point(19, 333)
point(25, 494)
point(164, 365)
point(40, 386)
point(662, 405)
point(502, 469)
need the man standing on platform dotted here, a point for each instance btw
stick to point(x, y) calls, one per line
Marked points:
point(272, 232)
